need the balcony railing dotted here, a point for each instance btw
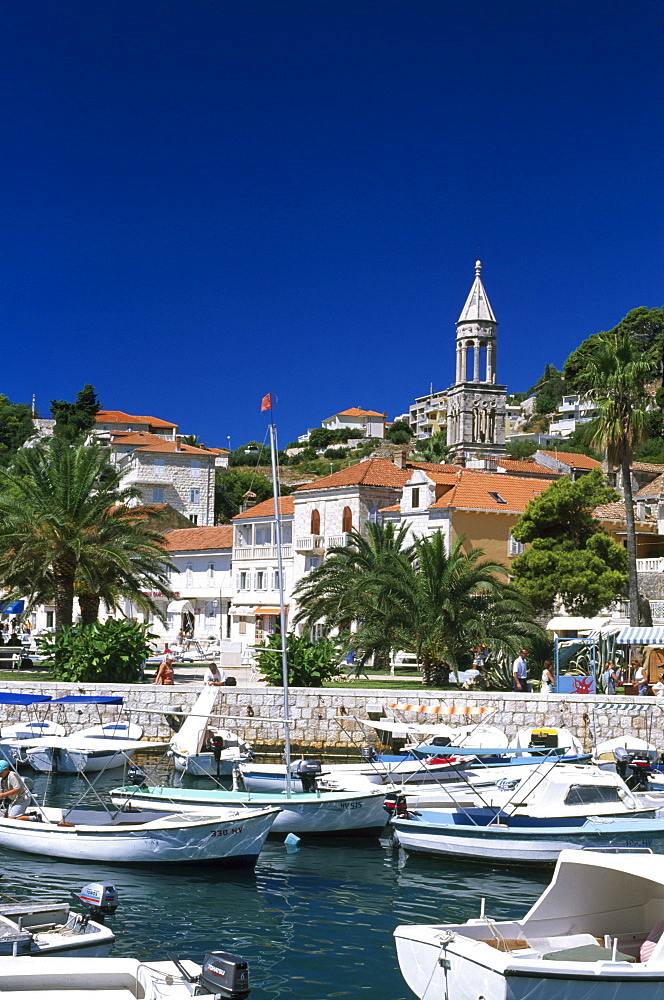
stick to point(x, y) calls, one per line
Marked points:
point(262, 552)
point(337, 541)
point(309, 542)
point(650, 565)
point(148, 476)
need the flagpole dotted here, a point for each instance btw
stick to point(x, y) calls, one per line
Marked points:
point(282, 606)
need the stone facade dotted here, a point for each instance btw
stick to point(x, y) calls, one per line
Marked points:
point(325, 718)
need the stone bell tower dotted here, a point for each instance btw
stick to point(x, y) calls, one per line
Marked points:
point(475, 404)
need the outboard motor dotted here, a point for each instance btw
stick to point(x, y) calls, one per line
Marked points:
point(368, 753)
point(99, 898)
point(634, 767)
point(395, 804)
point(225, 975)
point(136, 777)
point(543, 739)
point(307, 771)
point(441, 741)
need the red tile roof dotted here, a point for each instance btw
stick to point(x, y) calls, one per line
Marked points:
point(201, 539)
point(356, 412)
point(647, 467)
point(434, 466)
point(616, 512)
point(266, 509)
point(652, 489)
point(371, 472)
point(142, 441)
point(474, 492)
point(118, 417)
point(574, 461)
point(526, 467)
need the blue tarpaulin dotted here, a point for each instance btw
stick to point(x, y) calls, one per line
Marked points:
point(16, 608)
point(88, 699)
point(8, 698)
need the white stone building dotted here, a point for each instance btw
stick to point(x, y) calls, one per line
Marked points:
point(367, 423)
point(571, 413)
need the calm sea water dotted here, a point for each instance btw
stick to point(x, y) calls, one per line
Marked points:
point(314, 922)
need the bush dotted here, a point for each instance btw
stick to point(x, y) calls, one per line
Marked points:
point(112, 652)
point(309, 663)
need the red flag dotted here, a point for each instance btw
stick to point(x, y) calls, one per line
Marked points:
point(266, 402)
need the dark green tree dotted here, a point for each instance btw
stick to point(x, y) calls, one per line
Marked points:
point(644, 326)
point(16, 427)
point(549, 389)
point(399, 432)
point(433, 449)
point(570, 555)
point(74, 421)
point(231, 486)
point(521, 449)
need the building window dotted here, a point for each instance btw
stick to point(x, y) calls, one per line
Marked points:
point(160, 463)
point(194, 519)
point(261, 579)
point(312, 562)
point(242, 580)
point(196, 467)
point(347, 520)
point(50, 619)
point(317, 632)
point(194, 496)
point(514, 548)
point(263, 534)
point(497, 497)
point(210, 571)
point(315, 523)
point(211, 609)
point(415, 497)
point(157, 494)
point(287, 533)
point(189, 575)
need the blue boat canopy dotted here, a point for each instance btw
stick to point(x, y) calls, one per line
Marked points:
point(88, 699)
point(9, 698)
point(646, 635)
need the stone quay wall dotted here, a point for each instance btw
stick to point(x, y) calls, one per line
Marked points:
point(325, 717)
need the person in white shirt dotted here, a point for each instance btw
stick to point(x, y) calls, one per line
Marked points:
point(520, 672)
point(213, 675)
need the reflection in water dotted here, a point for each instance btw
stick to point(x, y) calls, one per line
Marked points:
point(314, 923)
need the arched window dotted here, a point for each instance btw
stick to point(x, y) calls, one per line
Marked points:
point(315, 522)
point(347, 520)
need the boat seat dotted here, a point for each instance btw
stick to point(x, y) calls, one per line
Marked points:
point(548, 945)
point(588, 953)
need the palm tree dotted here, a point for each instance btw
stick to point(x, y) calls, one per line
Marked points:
point(449, 602)
point(64, 517)
point(343, 590)
point(617, 374)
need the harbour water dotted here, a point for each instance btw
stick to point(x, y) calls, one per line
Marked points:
point(314, 921)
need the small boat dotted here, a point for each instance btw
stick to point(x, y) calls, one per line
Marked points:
point(225, 749)
point(32, 730)
point(546, 738)
point(222, 975)
point(43, 927)
point(534, 819)
point(320, 813)
point(597, 931)
point(79, 752)
point(229, 837)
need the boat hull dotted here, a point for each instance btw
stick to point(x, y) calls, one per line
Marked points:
point(433, 971)
point(313, 814)
point(228, 837)
point(525, 845)
point(204, 764)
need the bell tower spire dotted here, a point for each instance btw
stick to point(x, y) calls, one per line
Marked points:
point(476, 404)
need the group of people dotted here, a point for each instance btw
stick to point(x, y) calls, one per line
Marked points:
point(166, 672)
point(520, 681)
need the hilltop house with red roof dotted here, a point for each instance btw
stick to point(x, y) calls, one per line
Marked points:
point(367, 423)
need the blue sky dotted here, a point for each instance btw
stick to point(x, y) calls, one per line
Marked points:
point(206, 200)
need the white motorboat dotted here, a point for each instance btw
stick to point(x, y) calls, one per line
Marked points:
point(221, 975)
point(230, 837)
point(534, 819)
point(225, 749)
point(79, 752)
point(32, 729)
point(43, 927)
point(546, 738)
point(321, 813)
point(596, 932)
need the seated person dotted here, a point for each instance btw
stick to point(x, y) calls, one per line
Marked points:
point(14, 791)
point(213, 675)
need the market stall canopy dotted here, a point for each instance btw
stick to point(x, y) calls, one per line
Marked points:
point(563, 623)
point(650, 635)
point(178, 606)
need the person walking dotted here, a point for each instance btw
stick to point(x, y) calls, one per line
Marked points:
point(548, 679)
point(612, 677)
point(165, 673)
point(520, 672)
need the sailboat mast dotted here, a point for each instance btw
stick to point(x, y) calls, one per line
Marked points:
point(282, 606)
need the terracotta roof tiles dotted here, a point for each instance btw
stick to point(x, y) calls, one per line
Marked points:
point(616, 512)
point(266, 509)
point(142, 441)
point(199, 539)
point(491, 491)
point(118, 417)
point(371, 472)
point(652, 489)
point(573, 460)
